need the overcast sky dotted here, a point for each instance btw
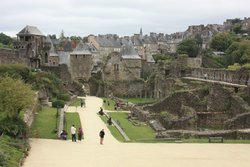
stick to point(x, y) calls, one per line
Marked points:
point(122, 17)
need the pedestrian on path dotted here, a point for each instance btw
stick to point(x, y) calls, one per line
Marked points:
point(83, 103)
point(80, 134)
point(73, 133)
point(101, 134)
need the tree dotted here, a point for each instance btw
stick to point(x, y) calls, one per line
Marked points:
point(5, 39)
point(221, 41)
point(15, 96)
point(238, 52)
point(189, 47)
point(237, 28)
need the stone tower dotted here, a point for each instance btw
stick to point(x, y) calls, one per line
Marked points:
point(31, 44)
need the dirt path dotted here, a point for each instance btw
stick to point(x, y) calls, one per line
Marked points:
point(89, 153)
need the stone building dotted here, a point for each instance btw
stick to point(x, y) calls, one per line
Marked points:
point(81, 62)
point(105, 44)
point(33, 46)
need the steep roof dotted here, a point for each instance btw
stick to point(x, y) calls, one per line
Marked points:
point(128, 52)
point(30, 30)
point(108, 41)
point(82, 49)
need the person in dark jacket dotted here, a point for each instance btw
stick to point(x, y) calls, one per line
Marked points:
point(101, 134)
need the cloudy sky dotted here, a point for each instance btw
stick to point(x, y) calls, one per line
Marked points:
point(122, 17)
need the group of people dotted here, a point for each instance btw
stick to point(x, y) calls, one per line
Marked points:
point(80, 134)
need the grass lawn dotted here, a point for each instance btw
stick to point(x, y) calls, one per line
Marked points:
point(140, 100)
point(45, 124)
point(111, 105)
point(12, 151)
point(142, 132)
point(72, 119)
point(76, 102)
point(113, 130)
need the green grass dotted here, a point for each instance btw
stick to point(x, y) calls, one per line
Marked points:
point(143, 132)
point(45, 124)
point(140, 100)
point(111, 105)
point(113, 130)
point(72, 119)
point(12, 151)
point(76, 102)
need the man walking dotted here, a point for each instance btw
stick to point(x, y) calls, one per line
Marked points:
point(73, 133)
point(101, 134)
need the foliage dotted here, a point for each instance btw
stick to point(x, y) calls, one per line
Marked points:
point(58, 103)
point(5, 39)
point(234, 67)
point(189, 47)
point(45, 123)
point(63, 96)
point(237, 28)
point(163, 57)
point(238, 52)
point(14, 127)
point(15, 96)
point(16, 71)
point(12, 151)
point(221, 41)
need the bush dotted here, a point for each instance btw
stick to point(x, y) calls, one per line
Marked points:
point(63, 96)
point(58, 103)
point(14, 127)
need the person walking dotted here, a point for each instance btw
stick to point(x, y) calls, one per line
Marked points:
point(80, 134)
point(101, 134)
point(73, 133)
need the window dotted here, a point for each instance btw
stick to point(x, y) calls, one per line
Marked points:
point(116, 67)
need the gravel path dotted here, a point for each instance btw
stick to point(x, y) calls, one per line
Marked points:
point(89, 153)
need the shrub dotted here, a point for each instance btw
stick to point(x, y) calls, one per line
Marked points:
point(63, 96)
point(58, 103)
point(14, 127)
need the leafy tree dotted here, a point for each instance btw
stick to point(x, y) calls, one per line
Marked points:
point(15, 96)
point(5, 39)
point(189, 47)
point(52, 36)
point(221, 41)
point(238, 52)
point(237, 28)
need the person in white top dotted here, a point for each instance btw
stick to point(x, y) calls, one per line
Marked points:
point(73, 133)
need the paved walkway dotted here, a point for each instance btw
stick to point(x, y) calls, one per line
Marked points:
point(88, 153)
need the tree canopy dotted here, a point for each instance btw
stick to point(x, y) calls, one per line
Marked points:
point(5, 40)
point(189, 47)
point(221, 41)
point(15, 96)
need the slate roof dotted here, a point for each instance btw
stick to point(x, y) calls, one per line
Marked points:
point(82, 49)
point(108, 41)
point(128, 52)
point(30, 30)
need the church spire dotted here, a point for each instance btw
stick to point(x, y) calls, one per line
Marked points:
point(141, 32)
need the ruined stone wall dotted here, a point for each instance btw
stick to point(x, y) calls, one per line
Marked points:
point(11, 56)
point(194, 62)
point(237, 77)
point(125, 89)
point(61, 71)
point(131, 69)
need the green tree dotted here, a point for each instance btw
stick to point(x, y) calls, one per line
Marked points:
point(189, 47)
point(15, 96)
point(238, 52)
point(221, 41)
point(5, 39)
point(237, 28)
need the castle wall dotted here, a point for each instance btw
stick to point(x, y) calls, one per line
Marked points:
point(12, 56)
